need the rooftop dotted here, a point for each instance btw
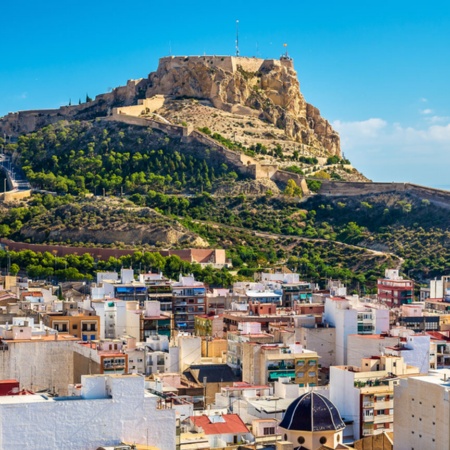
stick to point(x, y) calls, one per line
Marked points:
point(224, 424)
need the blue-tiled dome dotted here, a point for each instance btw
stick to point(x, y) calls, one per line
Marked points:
point(312, 412)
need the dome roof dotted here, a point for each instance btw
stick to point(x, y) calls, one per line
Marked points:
point(312, 412)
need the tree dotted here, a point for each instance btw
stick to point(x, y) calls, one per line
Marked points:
point(14, 269)
point(292, 190)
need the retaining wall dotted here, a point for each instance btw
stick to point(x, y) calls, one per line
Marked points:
point(244, 164)
point(339, 188)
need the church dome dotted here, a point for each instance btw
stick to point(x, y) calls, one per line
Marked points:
point(312, 412)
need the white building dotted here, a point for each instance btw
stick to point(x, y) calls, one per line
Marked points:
point(350, 316)
point(440, 288)
point(190, 350)
point(112, 314)
point(106, 411)
point(422, 412)
point(253, 402)
point(413, 347)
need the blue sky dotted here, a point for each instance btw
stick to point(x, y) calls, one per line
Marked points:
point(377, 71)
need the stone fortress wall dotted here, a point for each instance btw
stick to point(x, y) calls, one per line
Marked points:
point(227, 63)
point(243, 163)
point(340, 188)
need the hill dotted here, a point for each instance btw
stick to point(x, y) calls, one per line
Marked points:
point(214, 151)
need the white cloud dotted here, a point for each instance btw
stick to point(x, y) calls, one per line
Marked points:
point(426, 111)
point(424, 100)
point(391, 151)
point(438, 119)
point(378, 131)
point(369, 128)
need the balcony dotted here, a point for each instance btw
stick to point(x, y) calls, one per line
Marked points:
point(368, 404)
point(367, 432)
point(388, 404)
point(383, 418)
point(281, 366)
point(368, 418)
point(273, 376)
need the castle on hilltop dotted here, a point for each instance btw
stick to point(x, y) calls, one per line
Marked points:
point(229, 63)
point(264, 88)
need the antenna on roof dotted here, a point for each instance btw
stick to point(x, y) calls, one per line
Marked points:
point(237, 37)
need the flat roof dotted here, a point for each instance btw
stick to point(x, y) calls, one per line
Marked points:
point(50, 338)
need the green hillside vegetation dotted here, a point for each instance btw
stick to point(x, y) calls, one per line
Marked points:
point(97, 157)
point(317, 236)
point(39, 265)
point(412, 228)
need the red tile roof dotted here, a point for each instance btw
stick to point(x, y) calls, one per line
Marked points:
point(232, 424)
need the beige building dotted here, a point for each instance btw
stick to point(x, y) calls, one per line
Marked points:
point(422, 412)
point(413, 347)
point(318, 337)
point(365, 394)
point(36, 356)
point(84, 327)
point(250, 332)
point(214, 348)
point(265, 363)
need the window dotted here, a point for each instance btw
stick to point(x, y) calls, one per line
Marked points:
point(268, 431)
point(301, 440)
point(74, 326)
point(323, 440)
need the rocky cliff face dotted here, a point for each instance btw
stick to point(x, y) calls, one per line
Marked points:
point(268, 89)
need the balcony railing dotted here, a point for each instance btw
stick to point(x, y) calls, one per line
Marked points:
point(281, 366)
point(383, 418)
point(368, 418)
point(386, 404)
point(368, 404)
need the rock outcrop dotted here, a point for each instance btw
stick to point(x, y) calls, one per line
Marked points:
point(268, 89)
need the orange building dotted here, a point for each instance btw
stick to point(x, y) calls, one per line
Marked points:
point(83, 327)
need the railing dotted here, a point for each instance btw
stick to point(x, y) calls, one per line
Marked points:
point(383, 418)
point(281, 367)
point(386, 404)
point(368, 404)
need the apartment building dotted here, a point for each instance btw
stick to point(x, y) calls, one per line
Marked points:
point(393, 290)
point(188, 301)
point(365, 394)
